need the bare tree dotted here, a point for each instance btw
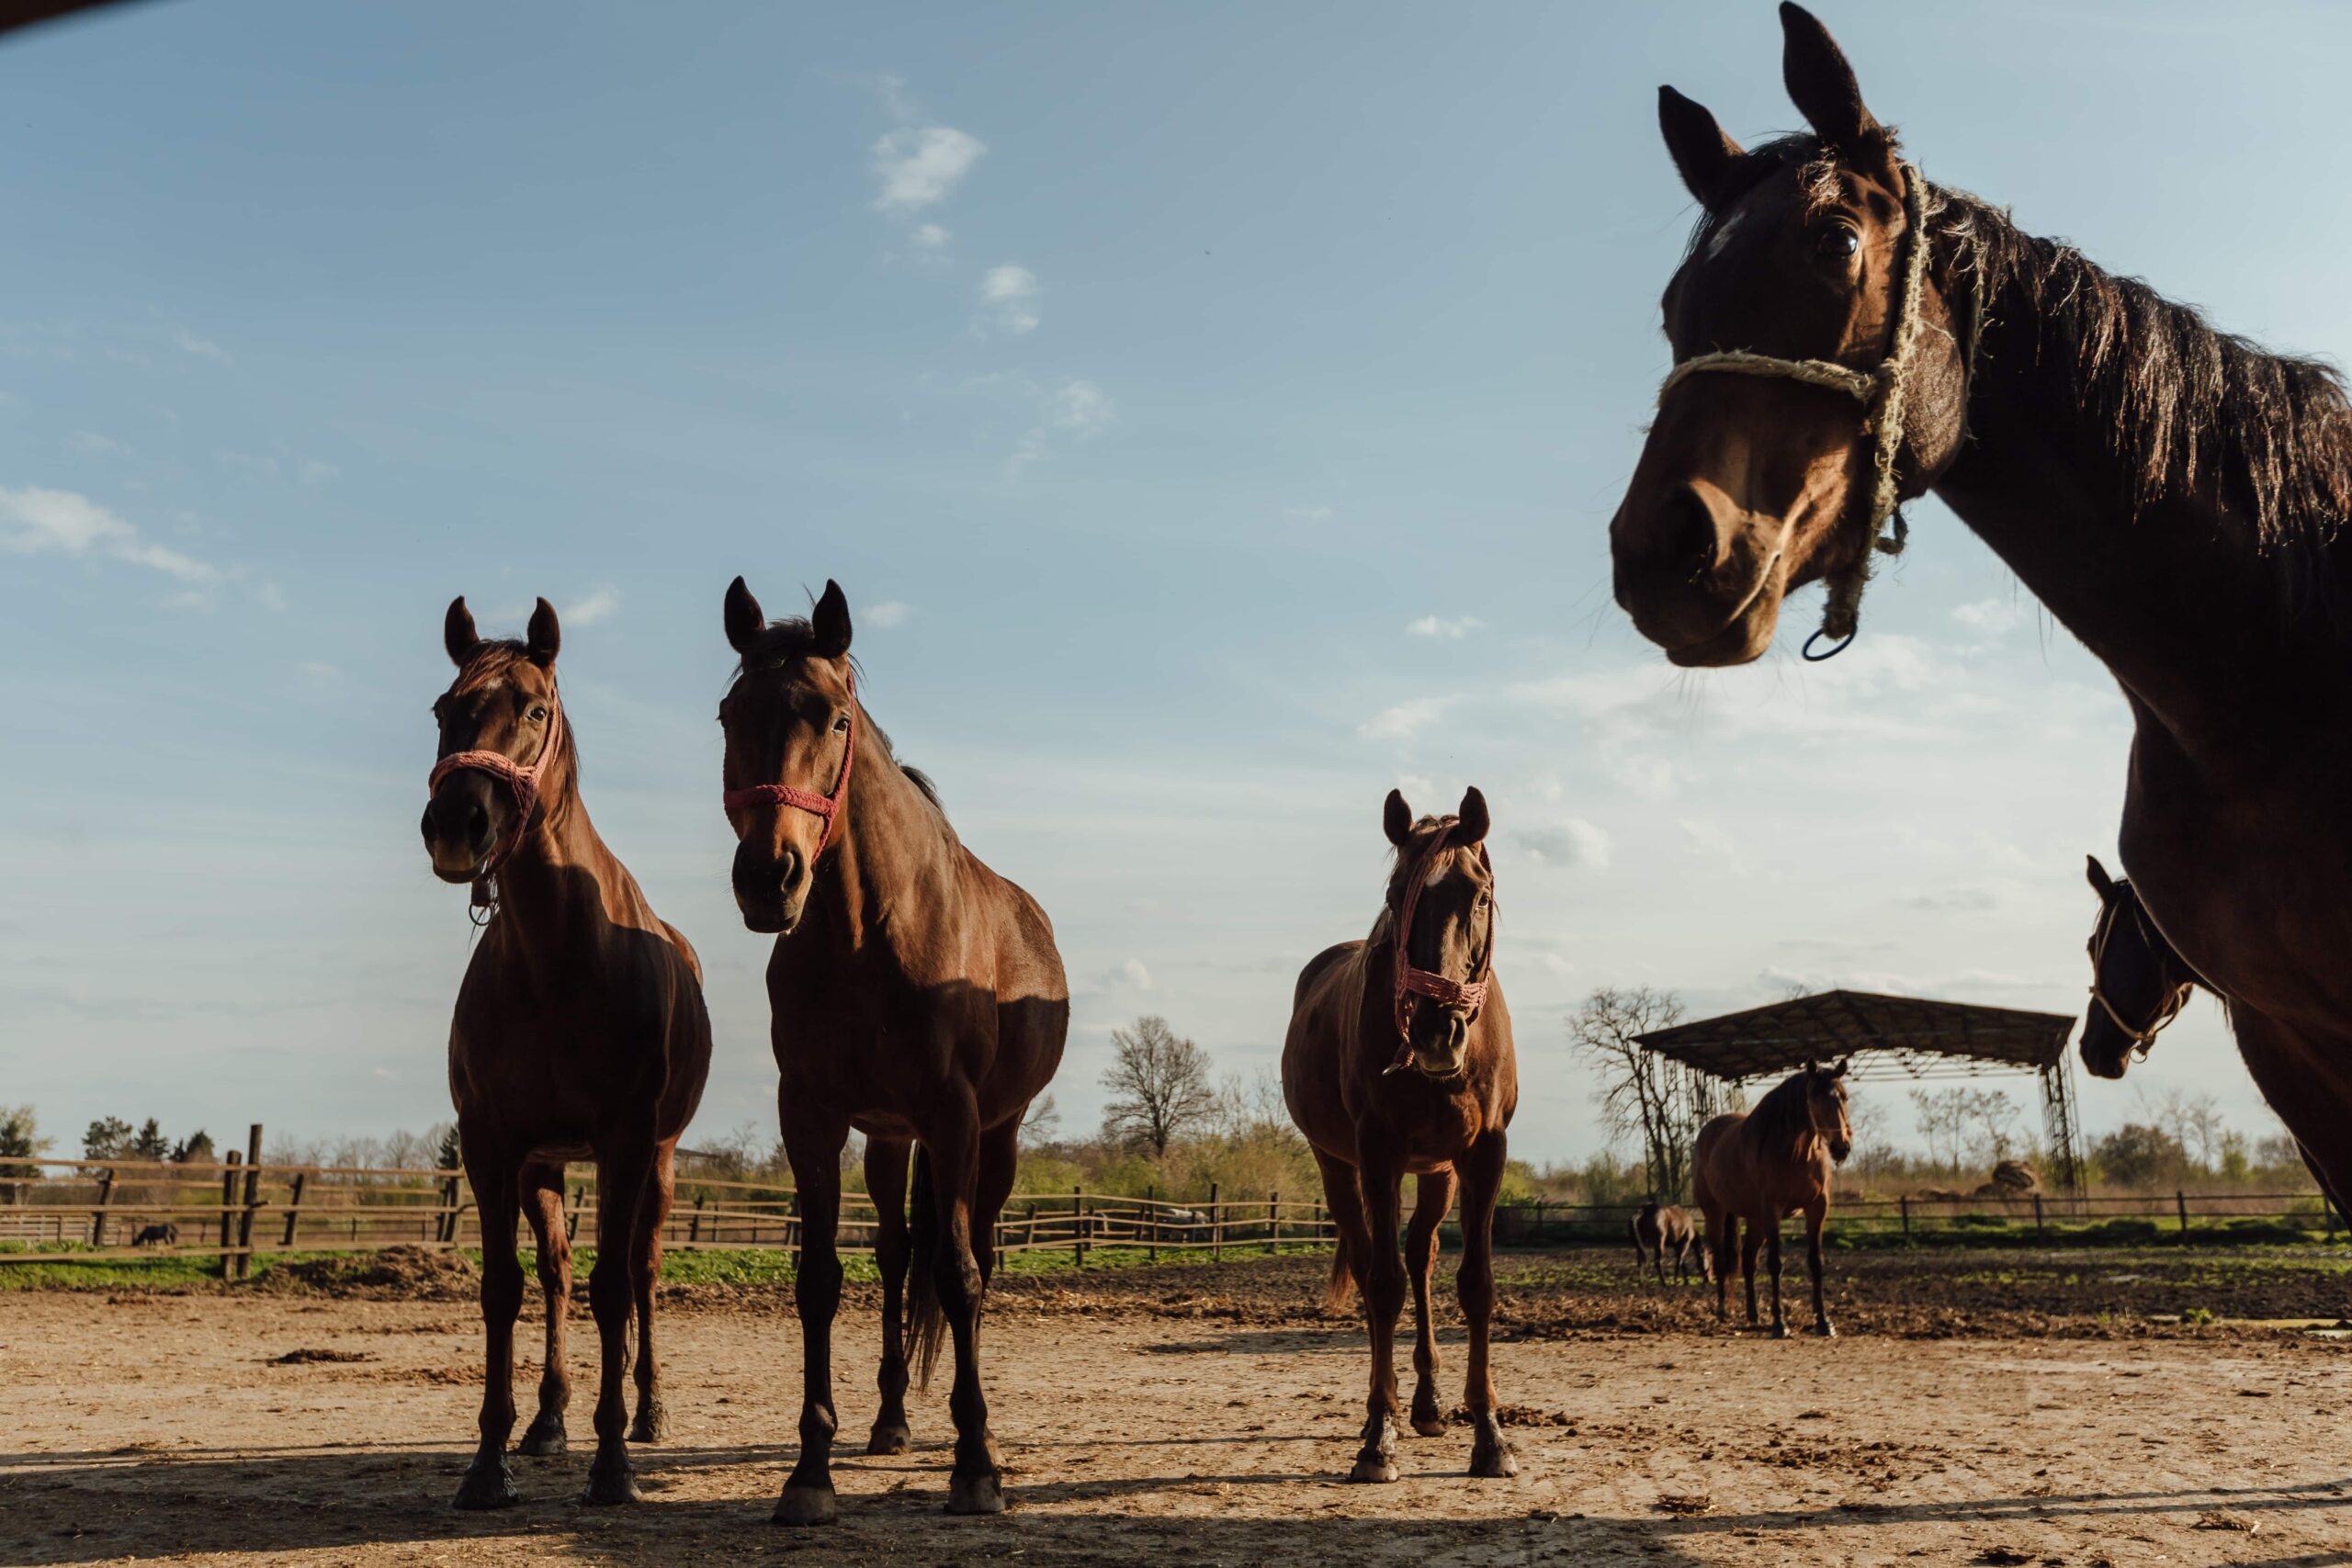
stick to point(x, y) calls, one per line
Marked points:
point(1941, 1116)
point(1160, 1084)
point(1643, 1094)
point(1042, 1123)
point(2194, 1120)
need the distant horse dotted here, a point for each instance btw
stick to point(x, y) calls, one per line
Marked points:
point(1399, 1059)
point(164, 1235)
point(580, 1033)
point(1658, 1228)
point(2139, 984)
point(1761, 1166)
point(914, 994)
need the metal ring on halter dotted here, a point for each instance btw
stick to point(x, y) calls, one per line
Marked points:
point(1843, 644)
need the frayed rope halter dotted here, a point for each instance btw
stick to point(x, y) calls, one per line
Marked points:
point(828, 807)
point(2141, 1036)
point(1881, 393)
point(1465, 997)
point(521, 781)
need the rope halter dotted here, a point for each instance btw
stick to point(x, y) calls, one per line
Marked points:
point(521, 782)
point(1465, 997)
point(828, 807)
point(1879, 390)
point(2141, 1036)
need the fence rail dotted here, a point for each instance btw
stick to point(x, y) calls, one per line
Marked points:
point(86, 1211)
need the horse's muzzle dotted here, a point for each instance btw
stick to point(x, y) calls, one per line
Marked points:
point(770, 894)
point(457, 831)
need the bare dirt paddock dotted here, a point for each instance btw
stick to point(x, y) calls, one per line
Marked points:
point(1202, 1416)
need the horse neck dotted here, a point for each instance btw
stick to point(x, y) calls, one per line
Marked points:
point(893, 865)
point(560, 880)
point(2173, 595)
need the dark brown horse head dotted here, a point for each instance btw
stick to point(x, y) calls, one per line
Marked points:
point(1825, 1107)
point(1453, 930)
point(2139, 983)
point(790, 720)
point(1752, 485)
point(504, 703)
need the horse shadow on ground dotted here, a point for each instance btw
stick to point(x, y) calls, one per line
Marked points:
point(90, 1507)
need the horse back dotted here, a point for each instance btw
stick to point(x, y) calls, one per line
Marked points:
point(1325, 1006)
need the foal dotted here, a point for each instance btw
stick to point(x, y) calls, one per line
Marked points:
point(1765, 1165)
point(914, 995)
point(579, 1033)
point(1661, 1228)
point(1393, 1065)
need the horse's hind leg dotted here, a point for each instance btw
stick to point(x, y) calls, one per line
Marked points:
point(652, 1423)
point(1723, 1239)
point(1433, 1196)
point(1815, 1213)
point(1773, 1257)
point(812, 1141)
point(975, 1486)
point(1382, 1279)
point(543, 1206)
point(1749, 1245)
point(1482, 1181)
point(493, 1174)
point(885, 1183)
point(623, 1189)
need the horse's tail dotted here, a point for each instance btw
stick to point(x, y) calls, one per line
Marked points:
point(925, 1322)
point(1343, 1275)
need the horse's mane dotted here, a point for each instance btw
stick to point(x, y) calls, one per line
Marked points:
point(781, 642)
point(1421, 826)
point(1781, 1118)
point(2177, 403)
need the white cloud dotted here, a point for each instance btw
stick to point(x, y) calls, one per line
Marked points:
point(1008, 301)
point(91, 443)
point(920, 166)
point(1710, 838)
point(1989, 617)
point(35, 522)
point(202, 347)
point(1308, 513)
point(1403, 721)
point(598, 605)
point(887, 614)
point(1570, 841)
point(1453, 630)
point(928, 237)
point(1078, 410)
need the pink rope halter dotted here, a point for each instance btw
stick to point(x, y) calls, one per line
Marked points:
point(521, 782)
point(828, 807)
point(1461, 995)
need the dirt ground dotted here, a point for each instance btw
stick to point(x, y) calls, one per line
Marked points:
point(1205, 1416)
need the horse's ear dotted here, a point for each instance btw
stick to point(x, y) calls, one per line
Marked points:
point(1821, 84)
point(458, 634)
point(829, 620)
point(1812, 1067)
point(1396, 818)
point(1472, 821)
point(1703, 154)
point(543, 637)
point(744, 620)
point(1843, 1064)
point(2101, 884)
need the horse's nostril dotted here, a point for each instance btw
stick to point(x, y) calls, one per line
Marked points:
point(1687, 538)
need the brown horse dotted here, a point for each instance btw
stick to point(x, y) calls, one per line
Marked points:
point(580, 1033)
point(1764, 1165)
point(1392, 1065)
point(916, 996)
point(2174, 496)
point(1660, 1228)
point(2138, 983)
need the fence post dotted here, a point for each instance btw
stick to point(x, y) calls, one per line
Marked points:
point(1029, 1236)
point(98, 1214)
point(1538, 1238)
point(2037, 1215)
point(1274, 1222)
point(694, 1226)
point(294, 1209)
point(1077, 1224)
point(2181, 1198)
point(253, 1202)
point(1905, 1200)
point(1217, 1226)
point(1151, 1212)
point(229, 1212)
point(445, 1225)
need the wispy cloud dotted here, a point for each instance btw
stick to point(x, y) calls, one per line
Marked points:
point(1988, 617)
point(202, 347)
point(1403, 721)
point(921, 166)
point(90, 444)
point(598, 605)
point(887, 614)
point(1569, 842)
point(34, 521)
point(928, 237)
point(1075, 410)
point(1008, 301)
point(1308, 513)
point(1451, 630)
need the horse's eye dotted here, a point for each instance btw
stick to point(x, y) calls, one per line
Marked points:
point(1839, 242)
point(538, 713)
point(841, 725)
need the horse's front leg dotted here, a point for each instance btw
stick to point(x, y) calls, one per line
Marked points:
point(652, 1423)
point(1750, 1242)
point(975, 1486)
point(885, 1183)
point(624, 1180)
point(1772, 1259)
point(494, 1175)
point(812, 1141)
point(1723, 1238)
point(1816, 1215)
point(1379, 1173)
point(543, 1206)
point(1482, 1182)
point(1433, 1197)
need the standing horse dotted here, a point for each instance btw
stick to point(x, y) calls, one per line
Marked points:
point(1393, 1064)
point(915, 996)
point(580, 1033)
point(1661, 1228)
point(2175, 496)
point(2138, 983)
point(1762, 1166)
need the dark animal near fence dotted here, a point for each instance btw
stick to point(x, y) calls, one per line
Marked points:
point(1660, 1228)
point(1759, 1166)
point(579, 1033)
point(2175, 496)
point(1399, 1059)
point(165, 1234)
point(914, 995)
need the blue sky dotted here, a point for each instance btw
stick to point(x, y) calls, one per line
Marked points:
point(1213, 414)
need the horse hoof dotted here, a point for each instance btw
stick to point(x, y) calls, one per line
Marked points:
point(1429, 1426)
point(610, 1484)
point(1823, 1331)
point(1780, 1331)
point(1372, 1468)
point(983, 1494)
point(652, 1423)
point(545, 1438)
point(1493, 1462)
point(892, 1439)
point(486, 1486)
point(805, 1505)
